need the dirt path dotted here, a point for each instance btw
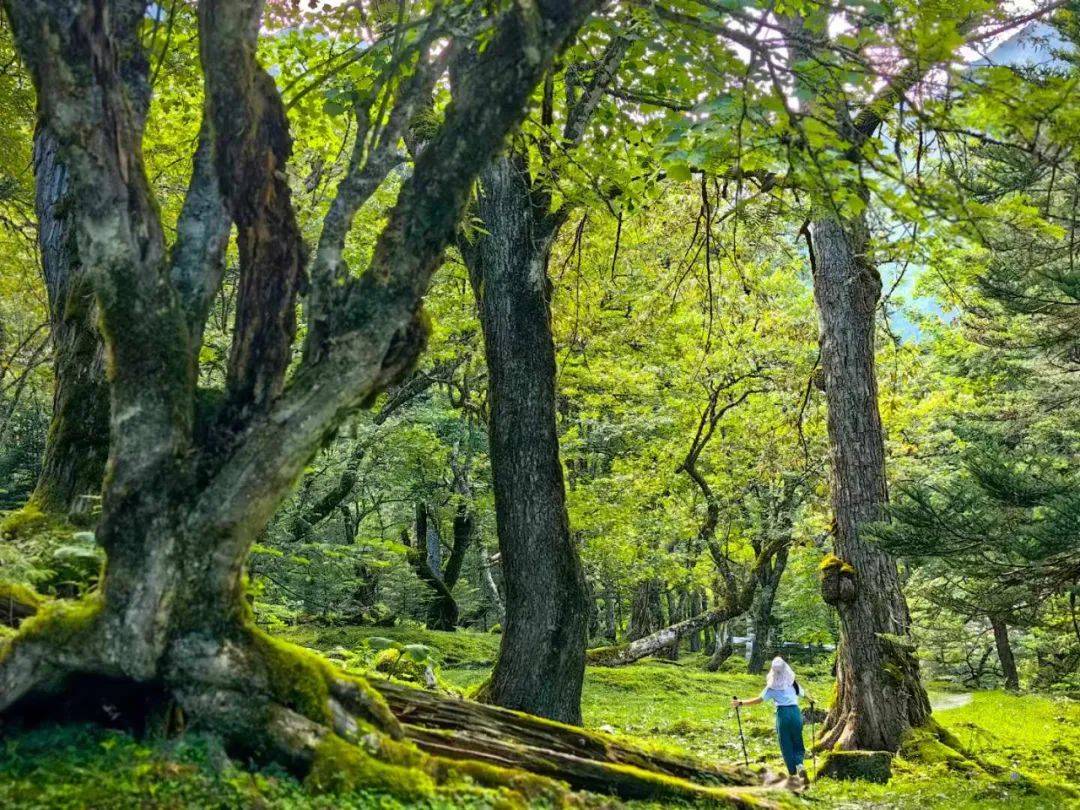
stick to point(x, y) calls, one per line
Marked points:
point(943, 702)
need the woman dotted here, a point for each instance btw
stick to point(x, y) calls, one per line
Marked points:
point(783, 690)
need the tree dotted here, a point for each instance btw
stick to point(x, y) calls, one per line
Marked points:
point(185, 498)
point(541, 662)
point(78, 441)
point(426, 557)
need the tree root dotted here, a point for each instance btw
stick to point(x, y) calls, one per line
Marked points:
point(279, 703)
point(586, 760)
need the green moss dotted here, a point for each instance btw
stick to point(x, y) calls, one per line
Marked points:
point(832, 561)
point(932, 745)
point(22, 594)
point(869, 766)
point(339, 766)
point(298, 678)
point(393, 662)
point(530, 787)
point(76, 766)
point(24, 522)
point(63, 622)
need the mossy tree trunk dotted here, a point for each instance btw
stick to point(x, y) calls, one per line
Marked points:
point(78, 439)
point(541, 661)
point(879, 695)
point(182, 502)
point(776, 521)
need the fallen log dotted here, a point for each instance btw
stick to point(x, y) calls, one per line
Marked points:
point(586, 760)
point(622, 654)
point(17, 603)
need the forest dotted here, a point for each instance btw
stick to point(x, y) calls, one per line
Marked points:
point(460, 404)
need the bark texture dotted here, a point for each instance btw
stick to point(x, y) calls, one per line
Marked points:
point(879, 694)
point(541, 660)
point(78, 440)
point(1004, 652)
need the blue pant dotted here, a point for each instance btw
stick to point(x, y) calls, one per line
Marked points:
point(789, 732)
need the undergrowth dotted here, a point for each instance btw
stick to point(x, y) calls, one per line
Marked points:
point(1033, 739)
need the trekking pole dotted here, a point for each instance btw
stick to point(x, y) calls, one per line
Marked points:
point(813, 735)
point(742, 739)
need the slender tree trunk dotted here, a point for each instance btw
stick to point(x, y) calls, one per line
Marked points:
point(879, 694)
point(1004, 652)
point(761, 611)
point(611, 623)
point(542, 655)
point(78, 440)
point(695, 608)
point(722, 650)
point(491, 587)
point(442, 608)
point(646, 612)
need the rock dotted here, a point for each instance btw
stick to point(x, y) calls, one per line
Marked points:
point(869, 766)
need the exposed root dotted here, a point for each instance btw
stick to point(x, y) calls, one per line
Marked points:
point(279, 703)
point(932, 744)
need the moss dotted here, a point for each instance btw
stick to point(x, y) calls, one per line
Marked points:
point(930, 744)
point(868, 766)
point(603, 656)
point(63, 622)
point(339, 766)
point(22, 594)
point(832, 561)
point(393, 662)
point(529, 786)
point(24, 522)
point(298, 678)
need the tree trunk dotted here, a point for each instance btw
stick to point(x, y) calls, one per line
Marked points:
point(695, 608)
point(879, 694)
point(442, 609)
point(541, 660)
point(646, 612)
point(723, 649)
point(487, 577)
point(1004, 652)
point(78, 440)
point(761, 611)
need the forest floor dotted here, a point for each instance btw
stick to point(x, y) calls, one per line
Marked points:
point(1033, 738)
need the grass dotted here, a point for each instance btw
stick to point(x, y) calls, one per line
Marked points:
point(664, 705)
point(81, 767)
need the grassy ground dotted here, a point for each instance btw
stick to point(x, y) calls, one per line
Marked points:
point(657, 704)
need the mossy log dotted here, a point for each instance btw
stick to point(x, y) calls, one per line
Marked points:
point(461, 729)
point(622, 654)
point(868, 766)
point(17, 603)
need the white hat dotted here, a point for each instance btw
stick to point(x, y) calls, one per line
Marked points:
point(781, 676)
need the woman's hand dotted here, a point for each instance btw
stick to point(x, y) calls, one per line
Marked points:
point(736, 703)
